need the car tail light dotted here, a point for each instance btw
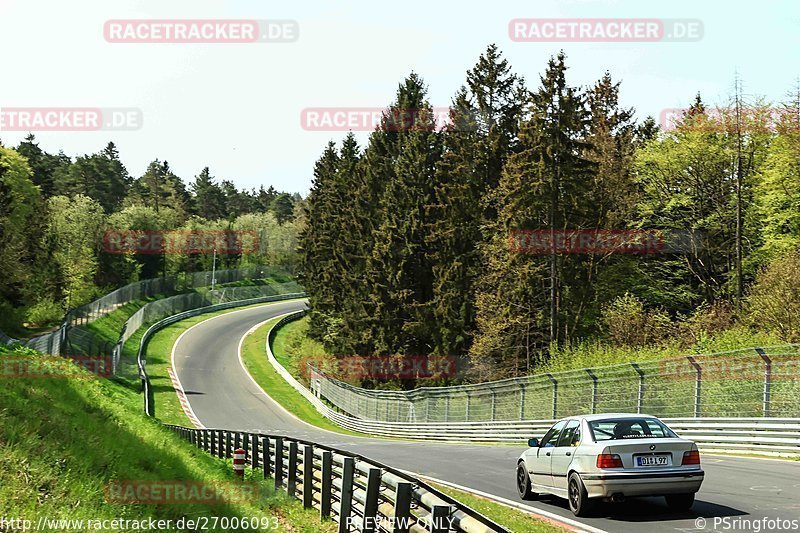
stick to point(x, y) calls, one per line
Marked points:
point(609, 460)
point(691, 458)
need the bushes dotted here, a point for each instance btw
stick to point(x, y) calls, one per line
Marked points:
point(45, 311)
point(628, 323)
point(773, 304)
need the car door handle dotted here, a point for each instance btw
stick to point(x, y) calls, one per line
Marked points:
point(569, 453)
point(548, 453)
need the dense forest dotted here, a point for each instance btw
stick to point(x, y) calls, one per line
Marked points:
point(56, 209)
point(407, 246)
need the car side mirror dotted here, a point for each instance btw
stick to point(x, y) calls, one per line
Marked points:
point(533, 443)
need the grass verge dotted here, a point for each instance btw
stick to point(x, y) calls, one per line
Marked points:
point(255, 361)
point(65, 437)
point(513, 519)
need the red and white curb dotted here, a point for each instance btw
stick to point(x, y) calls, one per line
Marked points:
point(187, 409)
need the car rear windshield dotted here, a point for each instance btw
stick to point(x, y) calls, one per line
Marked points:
point(629, 428)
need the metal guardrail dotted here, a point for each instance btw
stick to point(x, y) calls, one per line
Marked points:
point(752, 382)
point(69, 340)
point(763, 435)
point(357, 493)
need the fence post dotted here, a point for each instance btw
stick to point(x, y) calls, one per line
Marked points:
point(278, 462)
point(346, 497)
point(640, 395)
point(447, 408)
point(402, 507)
point(327, 484)
point(291, 477)
point(308, 476)
point(522, 401)
point(767, 379)
point(698, 380)
point(254, 462)
point(265, 456)
point(494, 404)
point(469, 400)
point(427, 408)
point(239, 458)
point(212, 442)
point(594, 389)
point(371, 500)
point(228, 444)
point(555, 394)
point(220, 444)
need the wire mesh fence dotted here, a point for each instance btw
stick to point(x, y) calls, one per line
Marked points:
point(68, 339)
point(752, 382)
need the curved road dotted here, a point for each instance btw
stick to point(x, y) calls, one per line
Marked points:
point(222, 395)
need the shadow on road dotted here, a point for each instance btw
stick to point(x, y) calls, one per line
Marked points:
point(649, 509)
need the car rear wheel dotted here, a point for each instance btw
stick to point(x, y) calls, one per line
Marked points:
point(579, 502)
point(524, 483)
point(680, 502)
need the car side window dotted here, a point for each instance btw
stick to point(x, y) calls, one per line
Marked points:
point(568, 434)
point(551, 437)
point(576, 438)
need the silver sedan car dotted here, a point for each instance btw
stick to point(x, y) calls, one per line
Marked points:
point(609, 458)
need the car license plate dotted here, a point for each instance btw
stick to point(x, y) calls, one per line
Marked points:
point(654, 460)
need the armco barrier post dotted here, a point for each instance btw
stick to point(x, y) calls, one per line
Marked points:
point(278, 462)
point(402, 507)
point(346, 497)
point(371, 500)
point(254, 451)
point(308, 476)
point(238, 462)
point(265, 462)
point(440, 515)
point(326, 485)
point(291, 477)
point(228, 445)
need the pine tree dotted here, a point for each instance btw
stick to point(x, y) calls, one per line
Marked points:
point(540, 188)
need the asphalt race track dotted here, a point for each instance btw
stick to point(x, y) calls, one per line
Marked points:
point(222, 395)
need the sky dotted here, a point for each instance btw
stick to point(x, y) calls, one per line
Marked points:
point(237, 107)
